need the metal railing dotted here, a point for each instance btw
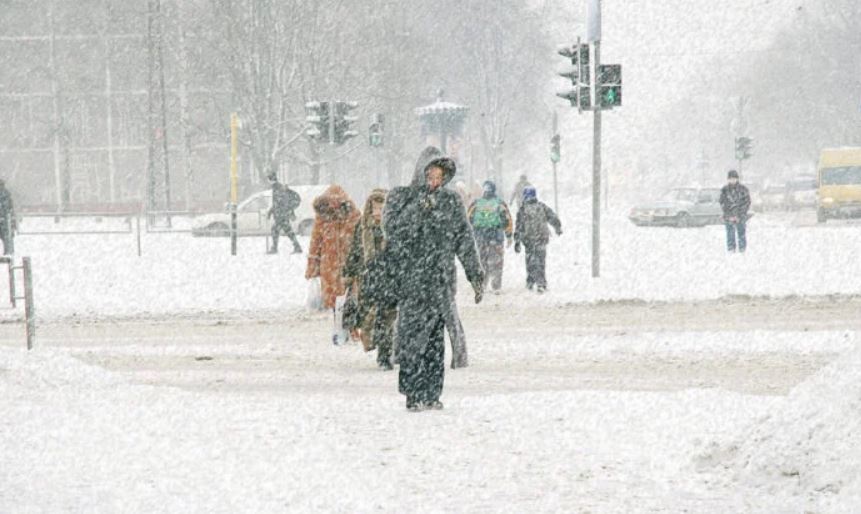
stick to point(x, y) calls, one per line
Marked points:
point(29, 310)
point(154, 222)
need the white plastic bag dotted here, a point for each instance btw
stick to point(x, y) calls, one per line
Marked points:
point(339, 335)
point(314, 296)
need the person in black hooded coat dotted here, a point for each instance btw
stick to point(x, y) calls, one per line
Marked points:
point(426, 227)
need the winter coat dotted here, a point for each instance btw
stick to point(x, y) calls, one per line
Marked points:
point(368, 242)
point(335, 222)
point(532, 220)
point(284, 202)
point(424, 232)
point(735, 201)
point(495, 234)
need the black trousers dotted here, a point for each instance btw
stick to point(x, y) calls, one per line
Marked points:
point(283, 225)
point(492, 256)
point(536, 258)
point(421, 353)
point(7, 236)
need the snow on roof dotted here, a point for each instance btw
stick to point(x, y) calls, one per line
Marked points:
point(440, 106)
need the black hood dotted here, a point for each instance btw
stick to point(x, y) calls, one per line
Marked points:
point(432, 156)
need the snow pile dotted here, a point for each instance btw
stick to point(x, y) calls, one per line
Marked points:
point(48, 369)
point(808, 444)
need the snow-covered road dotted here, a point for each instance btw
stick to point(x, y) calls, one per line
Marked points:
point(255, 415)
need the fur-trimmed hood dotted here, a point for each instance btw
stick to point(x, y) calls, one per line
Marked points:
point(334, 203)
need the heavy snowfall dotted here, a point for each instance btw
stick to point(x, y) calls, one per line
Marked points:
point(323, 256)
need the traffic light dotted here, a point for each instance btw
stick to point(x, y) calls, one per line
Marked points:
point(555, 151)
point(317, 116)
point(579, 75)
point(376, 130)
point(742, 148)
point(341, 130)
point(609, 85)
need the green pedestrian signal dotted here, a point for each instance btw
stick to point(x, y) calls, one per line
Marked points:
point(555, 151)
point(609, 85)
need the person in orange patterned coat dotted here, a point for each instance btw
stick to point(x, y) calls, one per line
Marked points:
point(331, 238)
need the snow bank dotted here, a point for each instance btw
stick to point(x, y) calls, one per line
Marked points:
point(808, 444)
point(46, 369)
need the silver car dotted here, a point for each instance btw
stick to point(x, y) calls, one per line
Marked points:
point(682, 207)
point(802, 192)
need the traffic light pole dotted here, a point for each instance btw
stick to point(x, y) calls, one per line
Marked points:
point(555, 181)
point(596, 169)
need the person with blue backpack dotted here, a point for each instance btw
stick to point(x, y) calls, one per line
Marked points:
point(492, 225)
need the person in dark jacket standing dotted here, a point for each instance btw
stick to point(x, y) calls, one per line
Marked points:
point(735, 202)
point(491, 221)
point(284, 204)
point(532, 233)
point(426, 228)
point(7, 220)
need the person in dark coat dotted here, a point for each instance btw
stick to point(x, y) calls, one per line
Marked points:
point(735, 202)
point(7, 220)
point(491, 221)
point(426, 228)
point(532, 233)
point(284, 204)
point(375, 322)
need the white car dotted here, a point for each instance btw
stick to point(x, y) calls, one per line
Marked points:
point(802, 192)
point(251, 215)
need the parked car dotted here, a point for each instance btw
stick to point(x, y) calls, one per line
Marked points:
point(802, 192)
point(251, 215)
point(683, 207)
point(773, 198)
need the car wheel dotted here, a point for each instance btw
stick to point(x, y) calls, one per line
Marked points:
point(683, 220)
point(217, 230)
point(305, 227)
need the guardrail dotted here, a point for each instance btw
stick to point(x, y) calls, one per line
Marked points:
point(29, 310)
point(155, 222)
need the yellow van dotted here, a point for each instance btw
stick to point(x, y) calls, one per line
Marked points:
point(839, 183)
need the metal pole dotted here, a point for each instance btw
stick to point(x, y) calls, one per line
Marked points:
point(29, 311)
point(12, 294)
point(596, 169)
point(138, 225)
point(234, 179)
point(163, 109)
point(109, 118)
point(555, 181)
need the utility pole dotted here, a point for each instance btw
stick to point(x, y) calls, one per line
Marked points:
point(594, 36)
point(555, 156)
point(595, 87)
point(234, 180)
point(156, 109)
point(596, 167)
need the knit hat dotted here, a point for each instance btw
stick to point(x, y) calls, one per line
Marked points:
point(529, 193)
point(732, 174)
